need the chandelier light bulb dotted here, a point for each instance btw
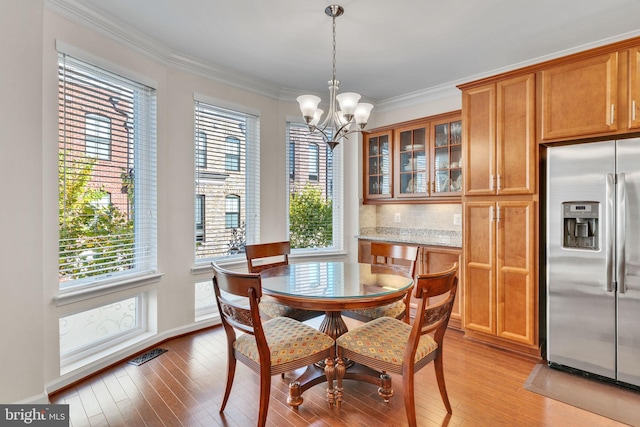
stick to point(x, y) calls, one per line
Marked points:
point(348, 102)
point(308, 106)
point(361, 114)
point(316, 117)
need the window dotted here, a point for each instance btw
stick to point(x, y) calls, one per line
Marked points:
point(103, 202)
point(200, 207)
point(232, 212)
point(314, 161)
point(232, 155)
point(228, 181)
point(315, 192)
point(98, 136)
point(201, 150)
point(99, 242)
point(100, 328)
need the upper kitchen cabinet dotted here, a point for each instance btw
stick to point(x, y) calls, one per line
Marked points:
point(377, 165)
point(634, 88)
point(411, 149)
point(446, 177)
point(580, 98)
point(499, 137)
point(414, 162)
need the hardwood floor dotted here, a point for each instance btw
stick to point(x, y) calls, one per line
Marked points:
point(184, 387)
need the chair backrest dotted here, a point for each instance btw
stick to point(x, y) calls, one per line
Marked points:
point(402, 257)
point(435, 317)
point(234, 312)
point(273, 254)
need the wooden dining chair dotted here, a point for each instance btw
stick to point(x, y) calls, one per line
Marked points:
point(268, 347)
point(403, 259)
point(392, 346)
point(267, 255)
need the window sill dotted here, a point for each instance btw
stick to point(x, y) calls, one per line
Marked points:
point(73, 296)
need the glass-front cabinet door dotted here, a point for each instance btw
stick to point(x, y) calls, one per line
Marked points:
point(413, 165)
point(447, 158)
point(378, 165)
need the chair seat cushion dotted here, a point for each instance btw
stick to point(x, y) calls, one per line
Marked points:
point(288, 340)
point(272, 309)
point(385, 339)
point(394, 310)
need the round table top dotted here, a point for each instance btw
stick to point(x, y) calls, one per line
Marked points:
point(335, 285)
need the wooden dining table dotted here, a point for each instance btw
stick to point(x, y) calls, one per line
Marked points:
point(334, 287)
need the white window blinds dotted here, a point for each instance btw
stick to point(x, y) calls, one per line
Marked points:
point(107, 146)
point(315, 190)
point(227, 189)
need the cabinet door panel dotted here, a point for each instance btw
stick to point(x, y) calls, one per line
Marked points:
point(516, 288)
point(478, 106)
point(479, 267)
point(516, 144)
point(634, 88)
point(412, 152)
point(579, 98)
point(440, 261)
point(377, 166)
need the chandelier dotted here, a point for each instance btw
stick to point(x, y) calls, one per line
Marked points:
point(351, 117)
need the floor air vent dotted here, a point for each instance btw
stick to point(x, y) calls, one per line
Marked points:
point(143, 358)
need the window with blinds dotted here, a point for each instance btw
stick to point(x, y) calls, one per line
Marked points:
point(315, 190)
point(227, 191)
point(107, 175)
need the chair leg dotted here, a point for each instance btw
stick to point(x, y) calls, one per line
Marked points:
point(231, 371)
point(265, 391)
point(329, 372)
point(385, 390)
point(439, 367)
point(409, 398)
point(340, 371)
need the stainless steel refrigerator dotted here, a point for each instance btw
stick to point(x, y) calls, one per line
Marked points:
point(593, 258)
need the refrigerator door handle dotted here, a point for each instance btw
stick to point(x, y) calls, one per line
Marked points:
point(609, 222)
point(621, 195)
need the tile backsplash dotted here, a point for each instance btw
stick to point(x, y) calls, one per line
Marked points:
point(439, 221)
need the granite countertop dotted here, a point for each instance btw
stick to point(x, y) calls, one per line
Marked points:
point(414, 236)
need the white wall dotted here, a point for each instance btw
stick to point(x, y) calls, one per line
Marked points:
point(21, 270)
point(28, 172)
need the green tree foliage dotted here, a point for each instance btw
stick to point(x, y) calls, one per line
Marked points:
point(92, 237)
point(311, 219)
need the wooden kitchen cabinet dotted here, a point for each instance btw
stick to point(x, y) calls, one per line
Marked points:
point(634, 88)
point(501, 288)
point(411, 152)
point(422, 164)
point(500, 150)
point(430, 259)
point(580, 98)
point(433, 259)
point(446, 176)
point(377, 165)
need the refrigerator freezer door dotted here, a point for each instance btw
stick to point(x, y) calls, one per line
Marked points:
point(629, 286)
point(580, 302)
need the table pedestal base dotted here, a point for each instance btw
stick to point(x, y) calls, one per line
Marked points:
point(314, 375)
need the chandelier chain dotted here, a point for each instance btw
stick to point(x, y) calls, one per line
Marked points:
point(334, 47)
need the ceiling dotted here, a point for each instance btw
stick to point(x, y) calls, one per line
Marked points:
point(385, 50)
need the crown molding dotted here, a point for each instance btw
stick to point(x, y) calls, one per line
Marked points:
point(79, 13)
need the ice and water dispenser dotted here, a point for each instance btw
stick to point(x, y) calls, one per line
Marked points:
point(581, 224)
